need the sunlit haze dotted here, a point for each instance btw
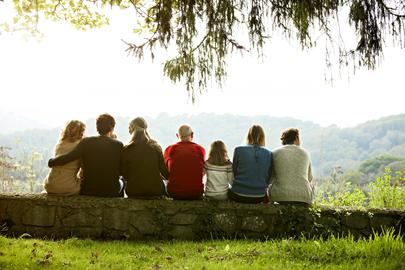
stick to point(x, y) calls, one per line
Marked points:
point(71, 74)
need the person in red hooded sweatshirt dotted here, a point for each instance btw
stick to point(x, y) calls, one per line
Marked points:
point(185, 161)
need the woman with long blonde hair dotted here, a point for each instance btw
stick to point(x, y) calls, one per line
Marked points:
point(64, 180)
point(251, 169)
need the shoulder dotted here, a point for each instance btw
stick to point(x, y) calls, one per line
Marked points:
point(242, 148)
point(87, 140)
point(117, 142)
point(283, 148)
point(199, 147)
point(304, 152)
point(170, 148)
point(265, 150)
point(128, 146)
point(154, 145)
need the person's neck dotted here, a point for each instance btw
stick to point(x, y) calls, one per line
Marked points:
point(108, 135)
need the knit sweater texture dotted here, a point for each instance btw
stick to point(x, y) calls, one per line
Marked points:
point(291, 175)
point(218, 180)
point(63, 180)
point(251, 169)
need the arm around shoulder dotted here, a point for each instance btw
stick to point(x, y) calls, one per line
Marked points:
point(68, 157)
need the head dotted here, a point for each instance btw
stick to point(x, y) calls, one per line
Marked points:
point(256, 136)
point(137, 129)
point(218, 154)
point(105, 124)
point(73, 131)
point(185, 133)
point(290, 136)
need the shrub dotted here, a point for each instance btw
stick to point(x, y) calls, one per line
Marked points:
point(388, 191)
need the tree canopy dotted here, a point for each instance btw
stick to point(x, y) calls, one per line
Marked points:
point(206, 32)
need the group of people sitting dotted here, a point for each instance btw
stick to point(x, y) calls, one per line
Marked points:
point(103, 166)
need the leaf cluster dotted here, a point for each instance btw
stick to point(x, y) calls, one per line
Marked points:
point(205, 32)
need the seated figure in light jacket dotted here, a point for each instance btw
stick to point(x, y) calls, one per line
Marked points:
point(63, 180)
point(291, 177)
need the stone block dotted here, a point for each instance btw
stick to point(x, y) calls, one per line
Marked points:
point(86, 232)
point(182, 232)
point(3, 208)
point(116, 219)
point(382, 221)
point(226, 222)
point(254, 224)
point(171, 210)
point(329, 222)
point(145, 223)
point(183, 219)
point(356, 220)
point(15, 211)
point(272, 210)
point(80, 217)
point(39, 215)
point(86, 216)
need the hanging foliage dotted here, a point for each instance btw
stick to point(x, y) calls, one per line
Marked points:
point(205, 32)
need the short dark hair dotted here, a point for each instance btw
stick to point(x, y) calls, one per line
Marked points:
point(105, 123)
point(289, 135)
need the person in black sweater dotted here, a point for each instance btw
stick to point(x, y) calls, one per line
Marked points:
point(143, 165)
point(101, 158)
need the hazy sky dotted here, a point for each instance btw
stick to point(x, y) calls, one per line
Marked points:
point(71, 74)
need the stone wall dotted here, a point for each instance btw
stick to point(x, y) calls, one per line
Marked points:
point(118, 218)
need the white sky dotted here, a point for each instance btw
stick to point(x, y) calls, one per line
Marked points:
point(71, 74)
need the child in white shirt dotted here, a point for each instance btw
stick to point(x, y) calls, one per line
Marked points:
point(218, 169)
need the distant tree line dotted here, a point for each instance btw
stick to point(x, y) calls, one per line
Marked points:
point(356, 155)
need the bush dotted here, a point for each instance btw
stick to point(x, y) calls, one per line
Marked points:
point(348, 197)
point(388, 191)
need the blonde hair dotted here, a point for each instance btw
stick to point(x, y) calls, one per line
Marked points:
point(72, 131)
point(218, 154)
point(256, 136)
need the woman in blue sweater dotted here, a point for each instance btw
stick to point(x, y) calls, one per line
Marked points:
point(251, 168)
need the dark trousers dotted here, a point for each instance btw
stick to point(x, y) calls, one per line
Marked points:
point(245, 199)
point(294, 203)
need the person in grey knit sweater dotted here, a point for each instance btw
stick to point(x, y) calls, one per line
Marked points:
point(291, 178)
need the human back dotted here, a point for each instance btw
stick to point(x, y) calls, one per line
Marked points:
point(218, 169)
point(291, 179)
point(101, 160)
point(185, 161)
point(101, 166)
point(251, 168)
point(64, 180)
point(143, 164)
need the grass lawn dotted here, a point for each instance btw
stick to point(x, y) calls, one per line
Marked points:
point(382, 252)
